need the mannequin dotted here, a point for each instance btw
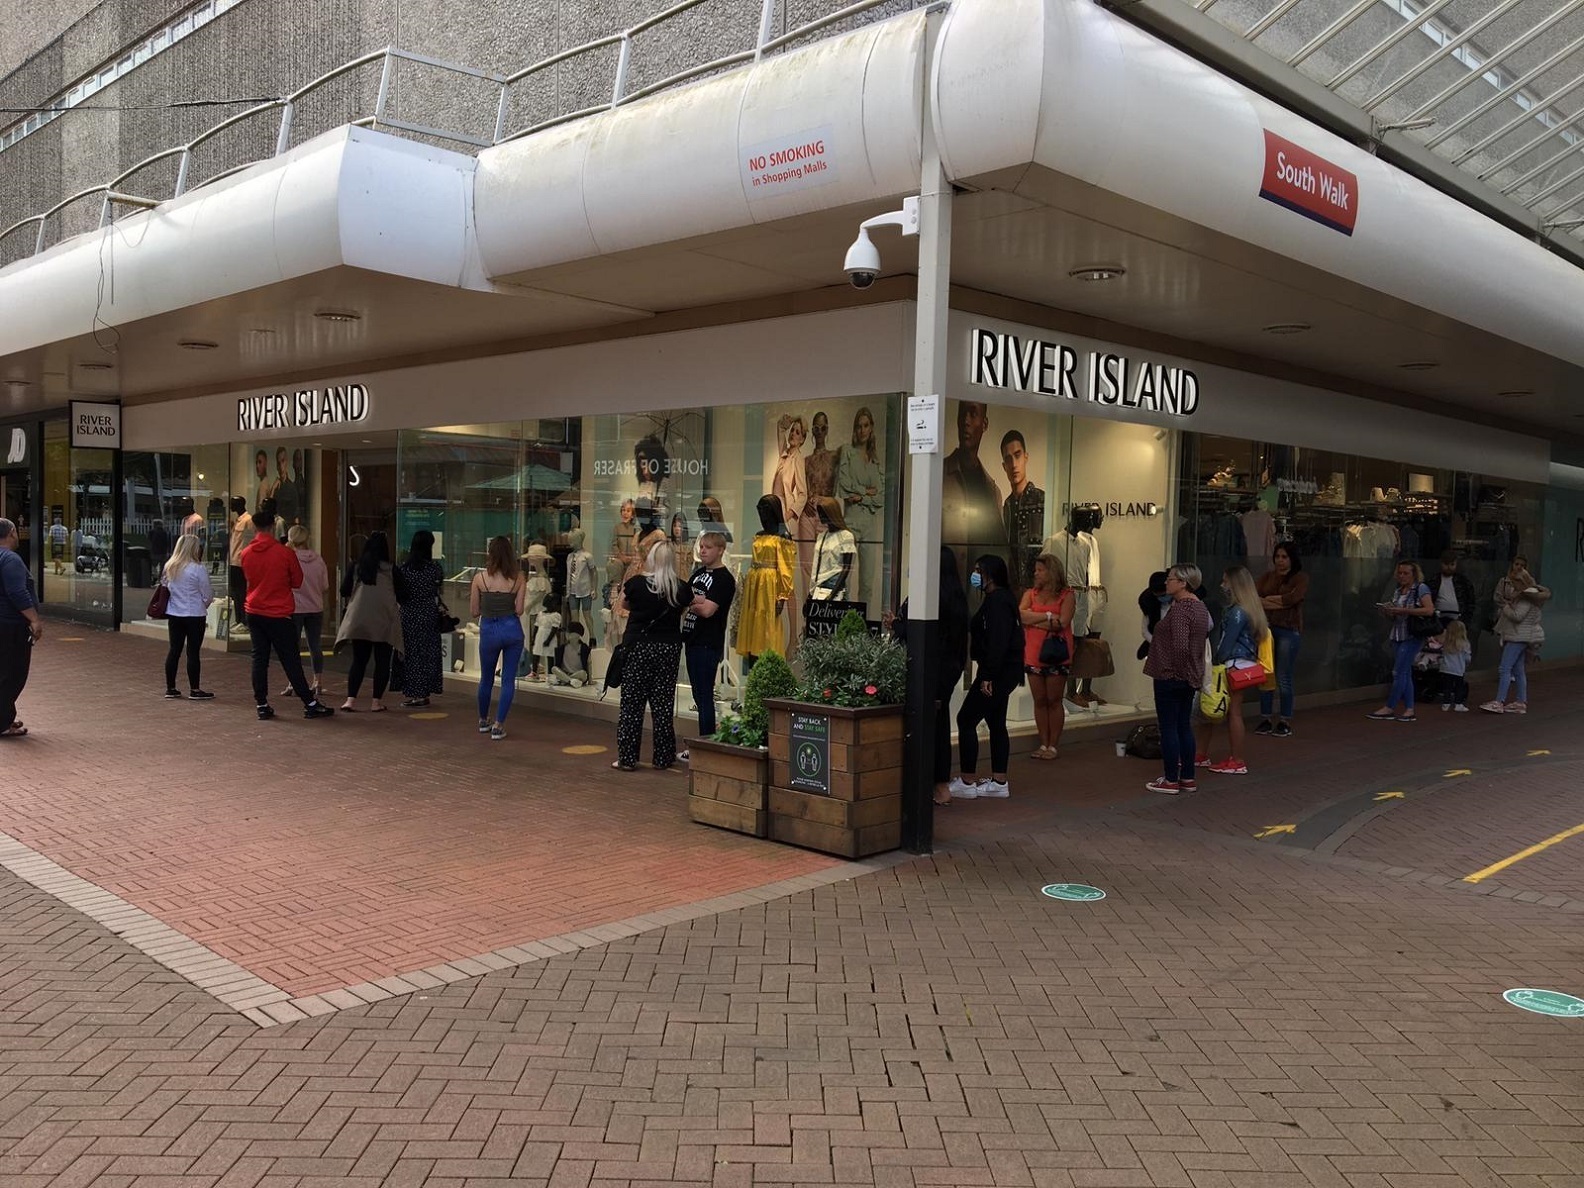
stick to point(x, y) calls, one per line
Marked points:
point(835, 552)
point(767, 586)
point(546, 643)
point(536, 571)
point(790, 486)
point(1079, 553)
point(571, 660)
point(580, 583)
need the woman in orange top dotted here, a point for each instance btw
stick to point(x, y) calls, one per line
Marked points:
point(1046, 613)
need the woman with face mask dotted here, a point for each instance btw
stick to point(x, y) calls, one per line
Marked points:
point(996, 645)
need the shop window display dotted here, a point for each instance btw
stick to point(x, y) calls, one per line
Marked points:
point(582, 498)
point(169, 494)
point(1350, 519)
point(1093, 493)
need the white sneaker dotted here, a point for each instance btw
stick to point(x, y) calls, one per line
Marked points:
point(1462, 709)
point(962, 791)
point(994, 789)
point(1445, 708)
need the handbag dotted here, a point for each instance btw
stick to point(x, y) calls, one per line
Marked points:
point(1092, 658)
point(1053, 651)
point(1423, 626)
point(447, 621)
point(159, 602)
point(1247, 676)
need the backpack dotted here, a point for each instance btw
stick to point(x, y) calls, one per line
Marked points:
point(1143, 741)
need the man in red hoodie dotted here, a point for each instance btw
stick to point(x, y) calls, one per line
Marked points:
point(272, 573)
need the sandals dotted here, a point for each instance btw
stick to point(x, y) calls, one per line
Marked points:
point(1044, 753)
point(15, 730)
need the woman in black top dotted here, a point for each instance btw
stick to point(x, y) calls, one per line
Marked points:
point(953, 644)
point(996, 642)
point(653, 601)
point(421, 663)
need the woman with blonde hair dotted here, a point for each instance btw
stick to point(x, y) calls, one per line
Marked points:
point(496, 598)
point(1046, 612)
point(1410, 608)
point(1243, 626)
point(187, 614)
point(789, 484)
point(653, 600)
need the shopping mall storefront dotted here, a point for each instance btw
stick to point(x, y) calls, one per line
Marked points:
point(1119, 459)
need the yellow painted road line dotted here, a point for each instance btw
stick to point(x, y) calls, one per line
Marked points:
point(1478, 875)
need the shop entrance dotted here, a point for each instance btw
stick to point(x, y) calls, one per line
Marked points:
point(16, 505)
point(369, 485)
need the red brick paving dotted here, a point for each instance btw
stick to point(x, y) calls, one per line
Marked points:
point(323, 854)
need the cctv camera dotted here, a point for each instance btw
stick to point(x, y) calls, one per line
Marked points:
point(863, 262)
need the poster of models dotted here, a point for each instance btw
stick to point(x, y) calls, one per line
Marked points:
point(277, 474)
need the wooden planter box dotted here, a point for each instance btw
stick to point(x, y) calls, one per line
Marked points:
point(727, 786)
point(836, 777)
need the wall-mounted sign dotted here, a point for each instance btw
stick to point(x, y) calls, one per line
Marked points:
point(16, 455)
point(798, 161)
point(96, 426)
point(1118, 509)
point(810, 753)
point(923, 424)
point(321, 408)
point(1049, 368)
point(1309, 185)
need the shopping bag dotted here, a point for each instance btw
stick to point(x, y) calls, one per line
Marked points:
point(1213, 701)
point(1267, 659)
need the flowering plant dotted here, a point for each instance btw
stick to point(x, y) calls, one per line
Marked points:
point(852, 668)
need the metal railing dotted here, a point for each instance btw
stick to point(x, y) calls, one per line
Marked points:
point(112, 195)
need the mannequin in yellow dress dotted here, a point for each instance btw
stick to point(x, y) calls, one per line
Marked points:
point(762, 624)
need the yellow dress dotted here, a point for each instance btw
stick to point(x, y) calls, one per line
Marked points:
point(769, 580)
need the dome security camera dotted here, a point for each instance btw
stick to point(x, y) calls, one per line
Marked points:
point(863, 261)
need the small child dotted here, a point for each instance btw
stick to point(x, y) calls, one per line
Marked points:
point(1455, 655)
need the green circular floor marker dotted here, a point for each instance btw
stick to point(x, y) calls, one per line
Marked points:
point(428, 717)
point(1547, 1002)
point(1074, 892)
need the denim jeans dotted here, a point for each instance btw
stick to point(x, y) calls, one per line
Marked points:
point(1284, 640)
point(1402, 687)
point(1174, 706)
point(1513, 670)
point(500, 638)
point(703, 660)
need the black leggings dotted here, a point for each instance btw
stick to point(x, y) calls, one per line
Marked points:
point(313, 625)
point(991, 709)
point(185, 632)
point(362, 649)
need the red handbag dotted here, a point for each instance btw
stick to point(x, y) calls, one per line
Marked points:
point(1250, 676)
point(159, 603)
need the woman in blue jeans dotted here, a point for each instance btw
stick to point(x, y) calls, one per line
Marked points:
point(1176, 663)
point(496, 598)
point(1282, 591)
point(1412, 600)
point(1519, 598)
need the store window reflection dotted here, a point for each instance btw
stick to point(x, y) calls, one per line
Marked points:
point(1350, 519)
point(167, 495)
point(80, 529)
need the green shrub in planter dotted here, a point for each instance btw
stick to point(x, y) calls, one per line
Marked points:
point(853, 668)
point(771, 676)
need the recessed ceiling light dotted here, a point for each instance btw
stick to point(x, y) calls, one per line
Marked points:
point(1516, 392)
point(338, 315)
point(1419, 365)
point(1289, 328)
point(1098, 272)
point(96, 365)
point(197, 344)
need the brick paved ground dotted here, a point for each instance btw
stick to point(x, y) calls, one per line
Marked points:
point(1234, 1013)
